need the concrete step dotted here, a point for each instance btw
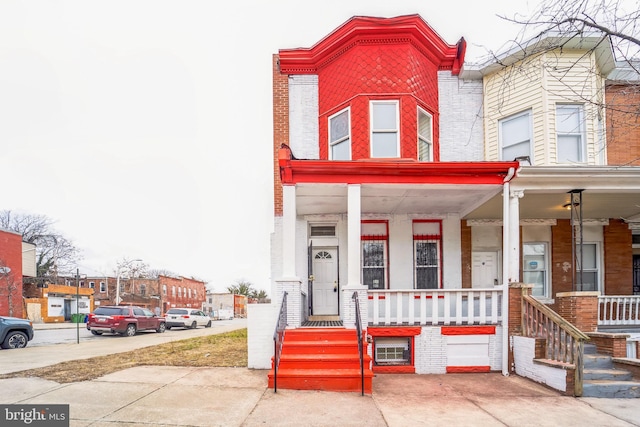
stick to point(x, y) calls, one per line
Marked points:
point(597, 361)
point(607, 374)
point(611, 389)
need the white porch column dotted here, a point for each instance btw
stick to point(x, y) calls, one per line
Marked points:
point(290, 282)
point(289, 231)
point(514, 235)
point(354, 215)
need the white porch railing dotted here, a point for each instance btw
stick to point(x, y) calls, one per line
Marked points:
point(619, 310)
point(435, 306)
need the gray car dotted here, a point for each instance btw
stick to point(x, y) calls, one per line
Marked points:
point(15, 332)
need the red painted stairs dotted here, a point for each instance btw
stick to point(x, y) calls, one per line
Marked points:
point(322, 359)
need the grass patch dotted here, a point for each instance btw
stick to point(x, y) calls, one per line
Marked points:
point(223, 350)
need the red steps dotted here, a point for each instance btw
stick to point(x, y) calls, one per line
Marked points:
point(322, 359)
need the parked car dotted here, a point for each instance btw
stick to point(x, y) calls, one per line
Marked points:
point(15, 332)
point(124, 320)
point(187, 318)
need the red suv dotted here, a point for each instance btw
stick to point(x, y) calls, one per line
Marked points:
point(124, 320)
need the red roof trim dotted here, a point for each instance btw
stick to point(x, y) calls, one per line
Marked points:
point(370, 30)
point(391, 171)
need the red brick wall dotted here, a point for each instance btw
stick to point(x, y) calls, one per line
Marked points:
point(561, 257)
point(623, 125)
point(11, 282)
point(280, 128)
point(373, 72)
point(618, 258)
point(580, 309)
point(182, 301)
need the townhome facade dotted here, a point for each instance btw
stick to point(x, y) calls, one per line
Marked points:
point(410, 191)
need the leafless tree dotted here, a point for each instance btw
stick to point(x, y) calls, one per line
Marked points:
point(9, 286)
point(55, 254)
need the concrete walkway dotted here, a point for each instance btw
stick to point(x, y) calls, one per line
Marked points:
point(177, 396)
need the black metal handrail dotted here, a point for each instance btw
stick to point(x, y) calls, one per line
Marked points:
point(278, 339)
point(359, 332)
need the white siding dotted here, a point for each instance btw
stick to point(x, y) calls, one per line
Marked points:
point(538, 84)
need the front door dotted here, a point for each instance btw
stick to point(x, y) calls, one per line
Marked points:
point(484, 273)
point(325, 281)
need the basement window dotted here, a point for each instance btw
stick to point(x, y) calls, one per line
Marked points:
point(392, 351)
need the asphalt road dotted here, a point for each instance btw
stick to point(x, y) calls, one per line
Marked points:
point(46, 352)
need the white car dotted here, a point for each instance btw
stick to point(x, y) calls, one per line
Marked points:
point(186, 318)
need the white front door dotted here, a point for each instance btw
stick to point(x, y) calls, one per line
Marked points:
point(325, 281)
point(484, 273)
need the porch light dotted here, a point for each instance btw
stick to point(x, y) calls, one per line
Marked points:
point(567, 206)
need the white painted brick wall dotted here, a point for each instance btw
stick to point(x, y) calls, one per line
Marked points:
point(430, 352)
point(303, 116)
point(461, 125)
point(523, 354)
point(495, 350)
point(261, 323)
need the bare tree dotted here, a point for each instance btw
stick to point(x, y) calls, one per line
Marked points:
point(9, 286)
point(55, 254)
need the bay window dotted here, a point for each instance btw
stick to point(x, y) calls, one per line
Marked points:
point(385, 141)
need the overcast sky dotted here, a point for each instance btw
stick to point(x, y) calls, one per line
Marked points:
point(144, 128)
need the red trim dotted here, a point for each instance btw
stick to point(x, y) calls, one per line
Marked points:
point(391, 171)
point(406, 331)
point(405, 369)
point(467, 369)
point(468, 330)
point(362, 30)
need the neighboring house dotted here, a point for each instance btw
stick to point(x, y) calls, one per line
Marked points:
point(421, 190)
point(232, 305)
point(57, 303)
point(11, 260)
point(545, 107)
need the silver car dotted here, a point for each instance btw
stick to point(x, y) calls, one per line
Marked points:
point(186, 318)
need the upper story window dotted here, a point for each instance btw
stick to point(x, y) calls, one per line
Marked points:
point(385, 141)
point(340, 136)
point(515, 136)
point(570, 134)
point(103, 287)
point(425, 136)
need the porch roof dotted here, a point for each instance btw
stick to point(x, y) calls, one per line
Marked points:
point(608, 192)
point(394, 185)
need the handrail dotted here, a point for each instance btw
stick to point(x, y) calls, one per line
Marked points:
point(278, 339)
point(564, 342)
point(359, 333)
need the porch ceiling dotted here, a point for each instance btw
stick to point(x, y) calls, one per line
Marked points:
point(536, 204)
point(433, 200)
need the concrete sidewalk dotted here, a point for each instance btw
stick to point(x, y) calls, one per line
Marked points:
point(175, 396)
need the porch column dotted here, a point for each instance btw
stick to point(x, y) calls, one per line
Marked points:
point(290, 282)
point(289, 231)
point(514, 235)
point(354, 216)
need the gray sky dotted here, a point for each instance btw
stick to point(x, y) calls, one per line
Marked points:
point(144, 128)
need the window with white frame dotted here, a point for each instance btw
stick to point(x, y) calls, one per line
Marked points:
point(392, 351)
point(340, 136)
point(173, 291)
point(535, 269)
point(425, 136)
point(570, 134)
point(164, 289)
point(143, 289)
point(515, 136)
point(385, 141)
point(426, 253)
point(103, 287)
point(588, 279)
point(92, 285)
point(375, 237)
